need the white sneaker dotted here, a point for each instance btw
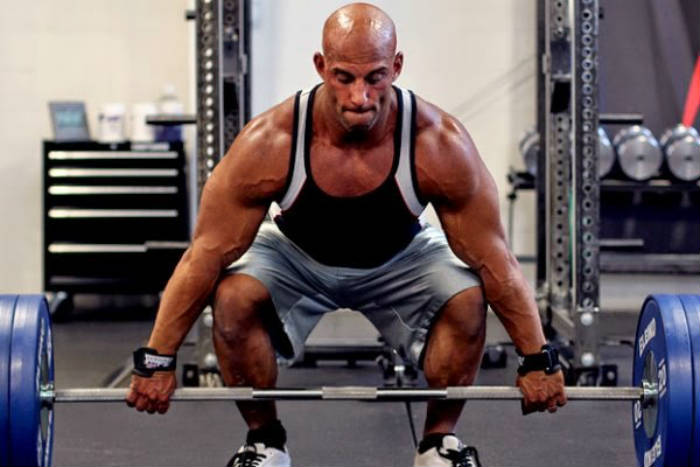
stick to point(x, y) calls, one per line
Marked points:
point(452, 453)
point(259, 455)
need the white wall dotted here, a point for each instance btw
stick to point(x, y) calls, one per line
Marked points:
point(473, 58)
point(96, 51)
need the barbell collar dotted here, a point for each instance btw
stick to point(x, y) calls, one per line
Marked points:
point(49, 395)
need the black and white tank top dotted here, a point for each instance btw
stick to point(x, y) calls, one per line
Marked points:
point(358, 231)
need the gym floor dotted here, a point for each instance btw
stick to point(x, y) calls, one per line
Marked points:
point(95, 342)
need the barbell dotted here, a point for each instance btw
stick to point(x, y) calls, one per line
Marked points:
point(665, 396)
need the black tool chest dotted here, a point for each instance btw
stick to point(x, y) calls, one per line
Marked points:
point(115, 216)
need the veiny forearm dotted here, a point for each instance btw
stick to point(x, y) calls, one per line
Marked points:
point(184, 298)
point(506, 290)
point(511, 297)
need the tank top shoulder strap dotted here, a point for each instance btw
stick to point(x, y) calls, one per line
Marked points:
point(296, 176)
point(406, 172)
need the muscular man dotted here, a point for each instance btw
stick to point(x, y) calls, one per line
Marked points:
point(352, 163)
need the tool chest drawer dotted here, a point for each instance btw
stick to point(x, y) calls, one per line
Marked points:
point(115, 216)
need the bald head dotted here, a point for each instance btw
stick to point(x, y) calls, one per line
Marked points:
point(358, 66)
point(359, 31)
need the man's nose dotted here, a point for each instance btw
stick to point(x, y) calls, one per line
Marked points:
point(359, 94)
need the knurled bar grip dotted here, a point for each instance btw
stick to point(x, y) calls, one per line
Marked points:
point(349, 393)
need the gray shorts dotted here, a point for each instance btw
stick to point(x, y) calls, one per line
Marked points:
point(401, 297)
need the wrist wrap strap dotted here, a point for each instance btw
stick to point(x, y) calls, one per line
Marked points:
point(147, 361)
point(547, 360)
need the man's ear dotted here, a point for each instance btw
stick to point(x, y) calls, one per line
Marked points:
point(320, 64)
point(398, 64)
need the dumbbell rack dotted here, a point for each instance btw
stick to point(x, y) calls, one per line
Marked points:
point(635, 224)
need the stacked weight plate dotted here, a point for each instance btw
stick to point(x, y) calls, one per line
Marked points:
point(691, 305)
point(666, 354)
point(7, 311)
point(26, 363)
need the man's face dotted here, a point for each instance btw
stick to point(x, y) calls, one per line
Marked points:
point(359, 87)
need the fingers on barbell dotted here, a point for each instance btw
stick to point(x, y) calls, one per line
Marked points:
point(132, 397)
point(540, 406)
point(562, 400)
point(163, 407)
point(558, 400)
point(531, 406)
point(542, 402)
point(142, 403)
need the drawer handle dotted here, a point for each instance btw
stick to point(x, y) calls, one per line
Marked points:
point(102, 213)
point(66, 173)
point(108, 155)
point(111, 190)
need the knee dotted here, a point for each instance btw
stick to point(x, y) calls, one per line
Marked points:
point(456, 341)
point(465, 313)
point(237, 304)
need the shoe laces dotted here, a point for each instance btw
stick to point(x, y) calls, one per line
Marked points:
point(249, 457)
point(466, 457)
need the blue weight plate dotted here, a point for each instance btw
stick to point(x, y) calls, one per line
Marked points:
point(47, 413)
point(691, 303)
point(7, 311)
point(31, 428)
point(662, 331)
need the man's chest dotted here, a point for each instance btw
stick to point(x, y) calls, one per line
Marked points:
point(350, 172)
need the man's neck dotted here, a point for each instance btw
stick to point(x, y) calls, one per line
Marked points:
point(331, 128)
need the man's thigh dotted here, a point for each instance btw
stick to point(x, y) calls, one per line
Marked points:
point(403, 297)
point(298, 288)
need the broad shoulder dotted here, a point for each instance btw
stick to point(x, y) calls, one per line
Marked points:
point(267, 135)
point(447, 161)
point(258, 159)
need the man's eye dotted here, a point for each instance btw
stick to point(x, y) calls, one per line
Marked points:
point(375, 78)
point(345, 79)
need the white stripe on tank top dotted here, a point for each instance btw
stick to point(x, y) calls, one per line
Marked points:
point(403, 176)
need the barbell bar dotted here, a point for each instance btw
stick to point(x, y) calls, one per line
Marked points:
point(665, 391)
point(647, 394)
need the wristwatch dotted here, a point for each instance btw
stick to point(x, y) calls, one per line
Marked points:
point(546, 360)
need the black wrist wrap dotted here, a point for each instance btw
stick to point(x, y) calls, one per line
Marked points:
point(147, 361)
point(546, 360)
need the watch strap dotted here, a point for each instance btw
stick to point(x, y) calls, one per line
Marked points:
point(546, 360)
